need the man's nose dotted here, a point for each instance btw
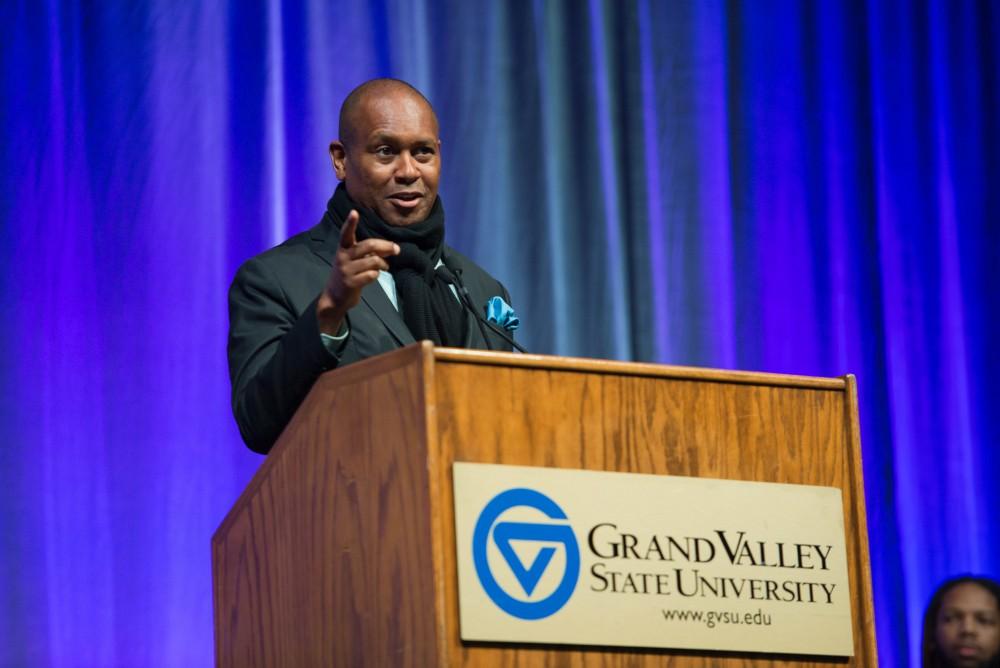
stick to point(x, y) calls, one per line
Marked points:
point(407, 170)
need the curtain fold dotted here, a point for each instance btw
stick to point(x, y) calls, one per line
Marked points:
point(806, 188)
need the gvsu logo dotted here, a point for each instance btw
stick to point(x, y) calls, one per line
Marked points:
point(545, 536)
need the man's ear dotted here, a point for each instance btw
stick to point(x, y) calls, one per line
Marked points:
point(338, 154)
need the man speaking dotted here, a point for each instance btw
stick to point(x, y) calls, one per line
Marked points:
point(372, 276)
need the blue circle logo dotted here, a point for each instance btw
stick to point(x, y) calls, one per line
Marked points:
point(502, 533)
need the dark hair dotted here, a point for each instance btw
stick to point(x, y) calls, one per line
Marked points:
point(929, 649)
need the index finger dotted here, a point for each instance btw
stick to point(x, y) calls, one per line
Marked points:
point(348, 233)
point(380, 247)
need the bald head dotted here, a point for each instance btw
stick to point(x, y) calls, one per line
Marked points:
point(354, 106)
point(388, 153)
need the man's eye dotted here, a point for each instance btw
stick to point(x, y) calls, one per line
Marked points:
point(383, 151)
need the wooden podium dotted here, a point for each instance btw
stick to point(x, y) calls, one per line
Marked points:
point(341, 550)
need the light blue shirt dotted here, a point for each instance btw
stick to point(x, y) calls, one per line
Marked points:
point(388, 283)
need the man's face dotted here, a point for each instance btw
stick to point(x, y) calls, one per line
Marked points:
point(968, 626)
point(390, 162)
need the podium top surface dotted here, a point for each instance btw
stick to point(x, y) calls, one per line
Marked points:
point(586, 365)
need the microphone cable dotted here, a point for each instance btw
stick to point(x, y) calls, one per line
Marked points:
point(465, 299)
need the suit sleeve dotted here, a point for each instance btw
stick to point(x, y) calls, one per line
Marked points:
point(275, 355)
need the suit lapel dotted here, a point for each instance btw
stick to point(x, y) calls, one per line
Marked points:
point(375, 298)
point(324, 244)
point(473, 336)
point(473, 328)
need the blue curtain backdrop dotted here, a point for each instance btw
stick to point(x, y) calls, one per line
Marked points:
point(798, 187)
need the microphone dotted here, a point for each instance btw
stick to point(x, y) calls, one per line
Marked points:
point(450, 277)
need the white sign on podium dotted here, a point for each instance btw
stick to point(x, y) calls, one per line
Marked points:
point(634, 560)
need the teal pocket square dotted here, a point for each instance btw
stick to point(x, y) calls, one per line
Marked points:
point(500, 312)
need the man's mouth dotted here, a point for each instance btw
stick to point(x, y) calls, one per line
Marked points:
point(406, 200)
point(968, 651)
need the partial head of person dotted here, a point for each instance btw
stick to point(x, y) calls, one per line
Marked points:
point(962, 624)
point(389, 154)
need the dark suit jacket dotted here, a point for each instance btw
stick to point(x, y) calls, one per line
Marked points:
point(275, 350)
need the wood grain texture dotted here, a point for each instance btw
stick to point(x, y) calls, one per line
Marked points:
point(586, 365)
point(631, 418)
point(326, 559)
point(857, 514)
point(341, 551)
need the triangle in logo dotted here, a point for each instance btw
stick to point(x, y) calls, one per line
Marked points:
point(528, 577)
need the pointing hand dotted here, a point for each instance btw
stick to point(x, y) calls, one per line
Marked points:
point(355, 265)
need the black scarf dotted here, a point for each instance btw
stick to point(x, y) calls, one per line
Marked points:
point(426, 302)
